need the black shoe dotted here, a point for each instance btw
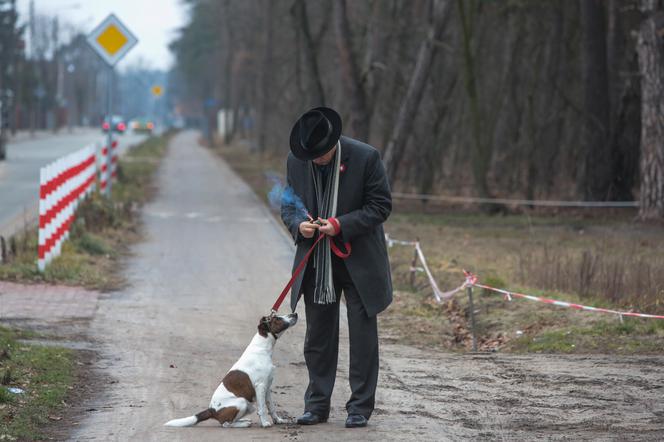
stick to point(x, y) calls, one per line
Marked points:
point(356, 421)
point(309, 418)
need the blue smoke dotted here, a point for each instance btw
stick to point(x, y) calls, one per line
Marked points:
point(284, 198)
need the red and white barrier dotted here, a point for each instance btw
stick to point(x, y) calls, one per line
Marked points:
point(103, 163)
point(63, 184)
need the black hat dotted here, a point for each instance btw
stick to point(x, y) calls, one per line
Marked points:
point(315, 133)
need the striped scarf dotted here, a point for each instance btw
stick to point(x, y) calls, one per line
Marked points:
point(326, 198)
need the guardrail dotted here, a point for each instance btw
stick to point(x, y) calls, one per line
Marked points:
point(63, 184)
point(102, 164)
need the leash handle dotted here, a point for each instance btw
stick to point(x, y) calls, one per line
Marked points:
point(297, 271)
point(337, 251)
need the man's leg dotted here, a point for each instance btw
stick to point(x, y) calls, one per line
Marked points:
point(363, 373)
point(321, 348)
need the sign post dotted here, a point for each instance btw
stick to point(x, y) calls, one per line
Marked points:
point(111, 39)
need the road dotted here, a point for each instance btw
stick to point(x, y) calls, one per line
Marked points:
point(214, 260)
point(19, 173)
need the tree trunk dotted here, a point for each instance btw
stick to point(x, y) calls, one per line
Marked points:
point(543, 130)
point(594, 177)
point(393, 82)
point(354, 91)
point(378, 42)
point(299, 10)
point(266, 75)
point(624, 95)
point(481, 158)
point(650, 48)
point(229, 122)
point(418, 81)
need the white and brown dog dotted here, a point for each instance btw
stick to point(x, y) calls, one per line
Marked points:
point(247, 382)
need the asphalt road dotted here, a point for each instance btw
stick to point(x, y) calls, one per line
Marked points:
point(19, 173)
point(212, 263)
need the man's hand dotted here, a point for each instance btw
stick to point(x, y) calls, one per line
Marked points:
point(307, 229)
point(327, 227)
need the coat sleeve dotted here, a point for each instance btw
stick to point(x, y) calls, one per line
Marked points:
point(376, 202)
point(289, 215)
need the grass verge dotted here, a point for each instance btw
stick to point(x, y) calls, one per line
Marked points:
point(500, 251)
point(596, 258)
point(45, 374)
point(101, 233)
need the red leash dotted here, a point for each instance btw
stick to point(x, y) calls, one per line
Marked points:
point(303, 263)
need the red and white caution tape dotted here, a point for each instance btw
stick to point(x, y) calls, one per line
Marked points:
point(509, 295)
point(471, 280)
point(63, 184)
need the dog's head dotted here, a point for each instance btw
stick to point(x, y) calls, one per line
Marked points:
point(276, 325)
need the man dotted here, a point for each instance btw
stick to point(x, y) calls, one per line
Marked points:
point(344, 188)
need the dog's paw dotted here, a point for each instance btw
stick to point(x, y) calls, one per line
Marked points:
point(281, 421)
point(266, 424)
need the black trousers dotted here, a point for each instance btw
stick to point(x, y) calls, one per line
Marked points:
point(321, 346)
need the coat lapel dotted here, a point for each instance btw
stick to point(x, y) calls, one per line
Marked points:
point(310, 197)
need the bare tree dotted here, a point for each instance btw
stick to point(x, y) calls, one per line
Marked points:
point(299, 11)
point(377, 42)
point(266, 73)
point(418, 81)
point(230, 115)
point(595, 169)
point(481, 159)
point(512, 107)
point(350, 75)
point(650, 48)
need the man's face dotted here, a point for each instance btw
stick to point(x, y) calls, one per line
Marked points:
point(322, 160)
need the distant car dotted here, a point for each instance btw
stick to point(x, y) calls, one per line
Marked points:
point(142, 125)
point(117, 122)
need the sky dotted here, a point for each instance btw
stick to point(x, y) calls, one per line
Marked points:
point(153, 22)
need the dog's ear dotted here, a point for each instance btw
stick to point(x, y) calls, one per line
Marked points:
point(264, 326)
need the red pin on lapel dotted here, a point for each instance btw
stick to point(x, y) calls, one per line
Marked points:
point(342, 168)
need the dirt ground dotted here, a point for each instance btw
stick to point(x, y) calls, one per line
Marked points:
point(212, 264)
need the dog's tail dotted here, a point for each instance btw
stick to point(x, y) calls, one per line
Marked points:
point(191, 420)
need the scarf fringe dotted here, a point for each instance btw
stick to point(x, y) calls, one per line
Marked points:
point(324, 292)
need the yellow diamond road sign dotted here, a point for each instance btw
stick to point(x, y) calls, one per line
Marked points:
point(112, 40)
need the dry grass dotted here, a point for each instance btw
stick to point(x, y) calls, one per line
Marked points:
point(575, 259)
point(599, 258)
point(630, 277)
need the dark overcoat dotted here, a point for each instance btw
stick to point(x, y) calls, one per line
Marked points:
point(364, 203)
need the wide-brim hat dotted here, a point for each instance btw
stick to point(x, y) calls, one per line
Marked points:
point(315, 133)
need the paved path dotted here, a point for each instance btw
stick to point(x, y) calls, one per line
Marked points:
point(19, 173)
point(212, 264)
point(44, 302)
